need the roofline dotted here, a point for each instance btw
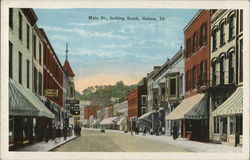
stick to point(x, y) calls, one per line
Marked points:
point(192, 20)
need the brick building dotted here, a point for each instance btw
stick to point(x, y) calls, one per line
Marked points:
point(197, 71)
point(132, 104)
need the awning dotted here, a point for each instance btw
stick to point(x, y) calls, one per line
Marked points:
point(233, 105)
point(185, 106)
point(94, 122)
point(110, 120)
point(23, 102)
point(200, 111)
point(146, 115)
point(121, 120)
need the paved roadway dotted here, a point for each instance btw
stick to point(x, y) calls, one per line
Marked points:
point(95, 141)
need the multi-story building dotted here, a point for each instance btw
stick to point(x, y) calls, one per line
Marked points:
point(53, 74)
point(193, 110)
point(24, 106)
point(150, 83)
point(226, 76)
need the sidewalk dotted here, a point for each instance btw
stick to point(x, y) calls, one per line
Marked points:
point(194, 146)
point(45, 147)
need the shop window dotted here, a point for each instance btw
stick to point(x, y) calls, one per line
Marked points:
point(231, 27)
point(11, 127)
point(232, 125)
point(239, 122)
point(173, 87)
point(11, 18)
point(222, 34)
point(25, 127)
point(216, 124)
point(10, 60)
point(224, 125)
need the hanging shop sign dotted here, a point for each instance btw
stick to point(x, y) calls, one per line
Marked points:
point(51, 93)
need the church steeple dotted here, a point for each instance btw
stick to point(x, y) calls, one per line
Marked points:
point(67, 65)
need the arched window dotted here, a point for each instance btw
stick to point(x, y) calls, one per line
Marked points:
point(214, 39)
point(213, 72)
point(222, 34)
point(231, 66)
point(222, 70)
point(231, 22)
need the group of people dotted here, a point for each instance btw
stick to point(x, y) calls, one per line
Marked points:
point(146, 130)
point(54, 133)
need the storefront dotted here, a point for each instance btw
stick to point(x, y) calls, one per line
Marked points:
point(109, 123)
point(227, 119)
point(25, 109)
point(193, 113)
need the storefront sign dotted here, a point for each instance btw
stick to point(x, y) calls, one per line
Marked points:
point(72, 102)
point(51, 93)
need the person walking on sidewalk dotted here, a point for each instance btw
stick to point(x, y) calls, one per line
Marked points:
point(46, 133)
point(145, 131)
point(175, 131)
point(58, 134)
point(65, 132)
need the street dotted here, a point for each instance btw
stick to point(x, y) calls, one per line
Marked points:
point(95, 141)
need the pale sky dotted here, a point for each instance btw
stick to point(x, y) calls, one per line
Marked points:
point(102, 52)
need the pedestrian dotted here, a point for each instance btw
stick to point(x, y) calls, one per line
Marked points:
point(53, 133)
point(175, 131)
point(46, 133)
point(58, 134)
point(144, 131)
point(65, 132)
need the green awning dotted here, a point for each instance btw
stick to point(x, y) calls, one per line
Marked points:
point(23, 102)
point(200, 111)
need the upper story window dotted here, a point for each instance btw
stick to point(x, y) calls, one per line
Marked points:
point(203, 34)
point(231, 60)
point(241, 20)
point(193, 43)
point(194, 77)
point(231, 27)
point(144, 100)
point(214, 37)
point(28, 73)
point(222, 34)
point(173, 87)
point(222, 70)
point(10, 60)
point(11, 18)
point(187, 81)
point(213, 73)
point(20, 29)
point(40, 54)
point(188, 47)
point(28, 36)
point(20, 68)
point(241, 60)
point(34, 46)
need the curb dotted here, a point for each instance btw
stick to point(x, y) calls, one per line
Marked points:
point(62, 144)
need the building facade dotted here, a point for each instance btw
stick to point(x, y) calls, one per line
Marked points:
point(226, 76)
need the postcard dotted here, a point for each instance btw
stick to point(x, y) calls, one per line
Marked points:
point(124, 80)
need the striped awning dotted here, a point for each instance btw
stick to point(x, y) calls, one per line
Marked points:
point(110, 120)
point(200, 111)
point(146, 115)
point(121, 120)
point(186, 105)
point(233, 105)
point(23, 102)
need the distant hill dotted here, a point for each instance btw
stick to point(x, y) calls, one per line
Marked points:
point(101, 95)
